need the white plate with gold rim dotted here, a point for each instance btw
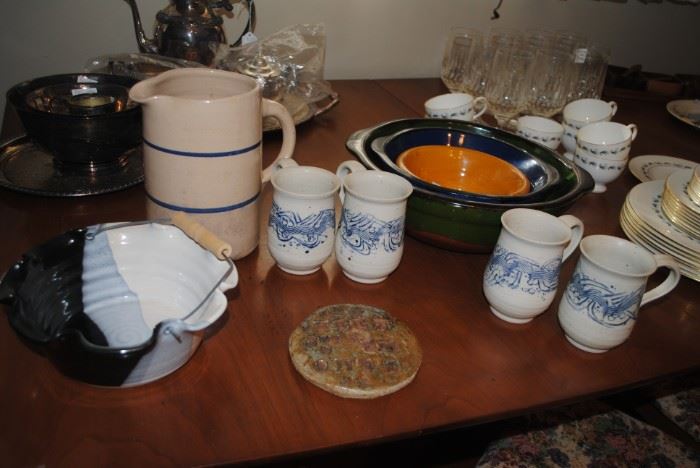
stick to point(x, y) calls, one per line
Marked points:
point(677, 184)
point(645, 201)
point(662, 243)
point(677, 218)
point(657, 167)
point(678, 250)
point(689, 268)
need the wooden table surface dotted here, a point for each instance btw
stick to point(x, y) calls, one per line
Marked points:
point(239, 397)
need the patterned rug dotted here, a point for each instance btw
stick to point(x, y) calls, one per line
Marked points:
point(588, 436)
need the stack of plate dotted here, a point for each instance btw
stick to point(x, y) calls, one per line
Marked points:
point(643, 220)
point(694, 186)
point(677, 204)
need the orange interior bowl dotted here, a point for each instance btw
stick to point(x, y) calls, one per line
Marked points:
point(464, 169)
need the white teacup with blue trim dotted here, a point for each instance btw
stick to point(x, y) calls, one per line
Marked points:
point(370, 237)
point(606, 140)
point(522, 275)
point(602, 148)
point(541, 130)
point(577, 114)
point(459, 106)
point(600, 305)
point(202, 147)
point(301, 225)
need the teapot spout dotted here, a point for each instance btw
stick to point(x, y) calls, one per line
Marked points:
point(145, 45)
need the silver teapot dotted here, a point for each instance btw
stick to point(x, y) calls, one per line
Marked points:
point(187, 29)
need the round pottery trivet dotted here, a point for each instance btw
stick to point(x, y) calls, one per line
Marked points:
point(24, 167)
point(355, 351)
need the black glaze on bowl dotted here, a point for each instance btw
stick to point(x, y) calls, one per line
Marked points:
point(541, 175)
point(79, 139)
point(44, 294)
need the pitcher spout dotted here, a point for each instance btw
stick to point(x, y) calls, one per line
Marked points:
point(145, 91)
point(146, 45)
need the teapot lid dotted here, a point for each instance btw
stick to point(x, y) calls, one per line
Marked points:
point(189, 12)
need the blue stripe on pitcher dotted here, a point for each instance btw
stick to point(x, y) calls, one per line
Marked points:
point(220, 209)
point(203, 155)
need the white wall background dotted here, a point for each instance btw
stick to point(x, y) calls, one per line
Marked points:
point(366, 38)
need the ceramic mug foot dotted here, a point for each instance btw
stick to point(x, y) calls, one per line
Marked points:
point(299, 272)
point(509, 319)
point(599, 188)
point(364, 280)
point(584, 347)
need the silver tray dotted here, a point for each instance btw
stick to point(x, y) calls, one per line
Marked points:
point(27, 168)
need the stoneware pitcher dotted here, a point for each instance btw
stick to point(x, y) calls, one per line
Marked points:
point(202, 145)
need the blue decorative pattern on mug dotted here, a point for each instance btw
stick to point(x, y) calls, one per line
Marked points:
point(513, 271)
point(308, 232)
point(601, 302)
point(364, 233)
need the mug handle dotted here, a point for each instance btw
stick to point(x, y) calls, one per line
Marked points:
point(481, 100)
point(674, 275)
point(289, 134)
point(576, 226)
point(613, 107)
point(633, 129)
point(345, 168)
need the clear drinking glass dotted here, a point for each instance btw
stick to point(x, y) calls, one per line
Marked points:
point(539, 39)
point(475, 76)
point(550, 81)
point(591, 65)
point(507, 84)
point(475, 79)
point(458, 56)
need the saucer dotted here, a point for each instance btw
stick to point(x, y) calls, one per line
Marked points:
point(686, 110)
point(657, 167)
point(24, 167)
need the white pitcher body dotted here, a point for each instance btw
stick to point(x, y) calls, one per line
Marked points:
point(202, 144)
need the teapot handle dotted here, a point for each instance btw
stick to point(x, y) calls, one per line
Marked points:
point(289, 135)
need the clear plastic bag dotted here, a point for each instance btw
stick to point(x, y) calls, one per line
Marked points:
point(294, 55)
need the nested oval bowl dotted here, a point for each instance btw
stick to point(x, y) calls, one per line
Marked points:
point(541, 176)
point(469, 225)
point(117, 305)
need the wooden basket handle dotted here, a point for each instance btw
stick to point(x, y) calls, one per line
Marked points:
point(202, 235)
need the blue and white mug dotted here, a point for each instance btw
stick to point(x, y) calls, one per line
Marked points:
point(301, 224)
point(600, 305)
point(522, 275)
point(369, 241)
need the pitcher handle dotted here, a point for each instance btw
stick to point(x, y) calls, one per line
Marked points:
point(576, 226)
point(674, 275)
point(289, 135)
